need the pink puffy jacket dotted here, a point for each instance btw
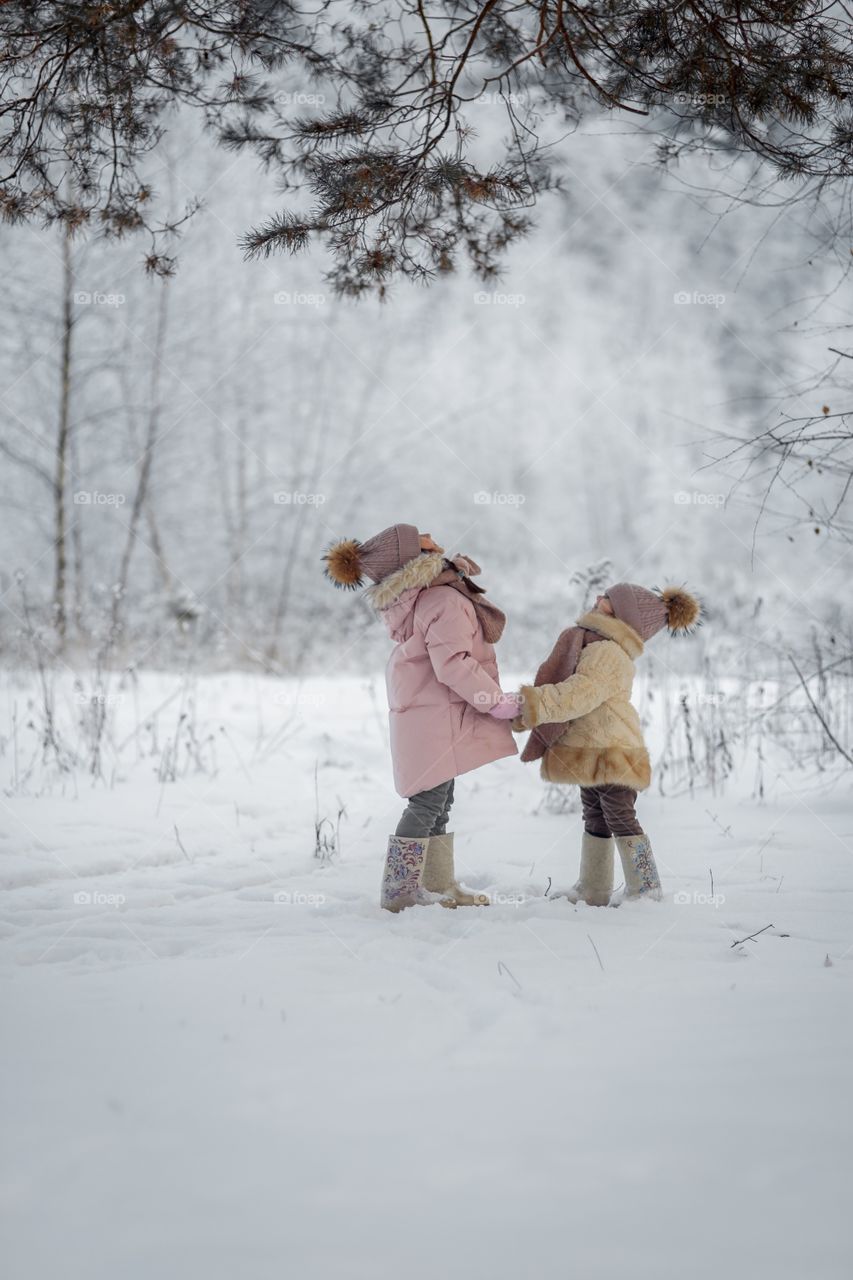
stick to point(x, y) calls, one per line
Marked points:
point(442, 678)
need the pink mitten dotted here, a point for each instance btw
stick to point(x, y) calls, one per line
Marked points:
point(507, 708)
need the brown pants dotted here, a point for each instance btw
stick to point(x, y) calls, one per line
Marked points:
point(609, 811)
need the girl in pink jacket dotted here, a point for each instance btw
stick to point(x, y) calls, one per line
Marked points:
point(447, 712)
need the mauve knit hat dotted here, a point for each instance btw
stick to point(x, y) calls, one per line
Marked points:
point(648, 612)
point(348, 562)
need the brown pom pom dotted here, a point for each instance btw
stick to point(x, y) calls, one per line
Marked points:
point(343, 564)
point(682, 609)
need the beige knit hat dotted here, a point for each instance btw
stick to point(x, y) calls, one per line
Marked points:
point(348, 561)
point(648, 612)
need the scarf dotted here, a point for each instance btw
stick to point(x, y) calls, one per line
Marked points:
point(458, 573)
point(561, 663)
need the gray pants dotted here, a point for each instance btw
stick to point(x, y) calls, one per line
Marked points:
point(427, 812)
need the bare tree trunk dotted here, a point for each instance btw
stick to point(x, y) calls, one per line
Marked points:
point(60, 479)
point(146, 463)
point(158, 549)
point(311, 476)
point(235, 579)
point(77, 544)
point(150, 513)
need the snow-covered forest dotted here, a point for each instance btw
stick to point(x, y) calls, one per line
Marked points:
point(643, 322)
point(223, 1057)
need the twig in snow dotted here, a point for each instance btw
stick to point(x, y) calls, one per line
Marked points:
point(181, 844)
point(595, 949)
point(761, 852)
point(740, 941)
point(548, 890)
point(711, 874)
point(502, 968)
point(327, 834)
point(727, 831)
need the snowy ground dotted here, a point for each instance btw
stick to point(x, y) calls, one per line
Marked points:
point(222, 1060)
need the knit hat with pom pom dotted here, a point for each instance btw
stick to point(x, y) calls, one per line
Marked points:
point(649, 612)
point(349, 561)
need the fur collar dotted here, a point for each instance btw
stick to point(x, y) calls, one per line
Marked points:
point(422, 571)
point(613, 629)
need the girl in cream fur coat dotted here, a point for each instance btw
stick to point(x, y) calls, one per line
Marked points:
point(587, 733)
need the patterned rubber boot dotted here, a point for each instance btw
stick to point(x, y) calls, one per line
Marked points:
point(639, 867)
point(440, 876)
point(402, 879)
point(595, 880)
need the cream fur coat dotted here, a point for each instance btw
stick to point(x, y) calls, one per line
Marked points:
point(603, 743)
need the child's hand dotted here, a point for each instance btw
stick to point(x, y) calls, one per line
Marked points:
point(507, 707)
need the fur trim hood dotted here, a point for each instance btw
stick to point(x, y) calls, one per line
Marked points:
point(397, 593)
point(420, 572)
point(613, 629)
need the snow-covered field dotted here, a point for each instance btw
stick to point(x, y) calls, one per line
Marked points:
point(223, 1060)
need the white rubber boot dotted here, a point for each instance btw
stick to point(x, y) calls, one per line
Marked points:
point(440, 875)
point(402, 880)
point(639, 868)
point(595, 880)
